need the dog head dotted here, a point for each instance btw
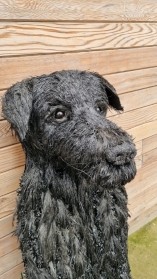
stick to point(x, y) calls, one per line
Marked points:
point(62, 117)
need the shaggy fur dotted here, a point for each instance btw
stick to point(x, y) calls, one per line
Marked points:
point(72, 204)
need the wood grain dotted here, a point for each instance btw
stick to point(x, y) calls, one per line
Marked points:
point(13, 273)
point(6, 135)
point(149, 143)
point(9, 261)
point(146, 176)
point(6, 225)
point(11, 157)
point(15, 69)
point(143, 200)
point(133, 80)
point(150, 156)
point(8, 244)
point(143, 131)
point(142, 219)
point(137, 99)
point(10, 180)
point(8, 204)
point(136, 117)
point(143, 10)
point(142, 192)
point(37, 38)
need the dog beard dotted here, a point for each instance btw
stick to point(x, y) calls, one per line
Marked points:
point(99, 171)
point(110, 175)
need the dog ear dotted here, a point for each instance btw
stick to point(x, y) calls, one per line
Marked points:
point(114, 101)
point(112, 95)
point(17, 106)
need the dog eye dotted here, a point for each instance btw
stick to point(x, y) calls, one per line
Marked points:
point(101, 109)
point(59, 114)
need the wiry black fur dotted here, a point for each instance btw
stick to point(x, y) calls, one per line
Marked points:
point(72, 204)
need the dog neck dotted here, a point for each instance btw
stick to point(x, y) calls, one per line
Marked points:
point(94, 217)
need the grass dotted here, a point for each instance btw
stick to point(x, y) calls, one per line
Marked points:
point(143, 252)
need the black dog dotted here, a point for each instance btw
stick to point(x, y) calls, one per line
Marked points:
point(72, 205)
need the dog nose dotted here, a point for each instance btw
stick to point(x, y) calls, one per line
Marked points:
point(121, 154)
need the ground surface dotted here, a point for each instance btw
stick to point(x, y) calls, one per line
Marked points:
point(143, 252)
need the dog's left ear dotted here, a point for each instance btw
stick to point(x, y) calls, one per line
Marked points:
point(17, 106)
point(113, 99)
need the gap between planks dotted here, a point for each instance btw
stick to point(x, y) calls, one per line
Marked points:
point(80, 10)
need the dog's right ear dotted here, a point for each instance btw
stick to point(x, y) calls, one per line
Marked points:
point(17, 106)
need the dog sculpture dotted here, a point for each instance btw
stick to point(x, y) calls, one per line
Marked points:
point(72, 204)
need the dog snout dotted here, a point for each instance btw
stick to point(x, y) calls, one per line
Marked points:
point(121, 154)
